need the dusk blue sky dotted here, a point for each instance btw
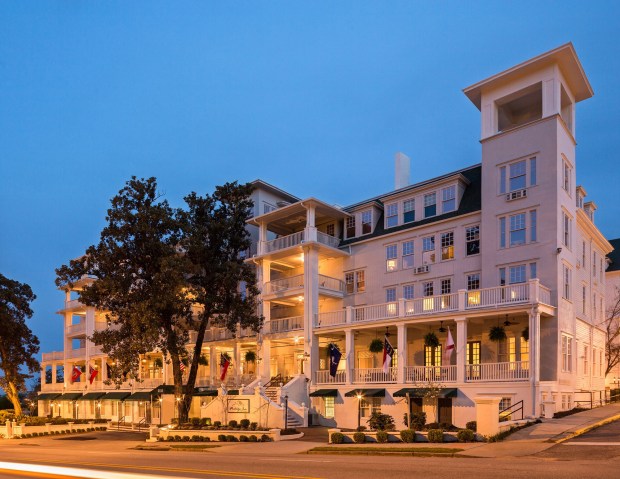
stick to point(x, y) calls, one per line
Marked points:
point(313, 97)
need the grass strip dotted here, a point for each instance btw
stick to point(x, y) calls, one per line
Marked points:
point(404, 451)
point(195, 447)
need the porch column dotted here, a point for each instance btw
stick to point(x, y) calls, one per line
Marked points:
point(212, 365)
point(401, 331)
point(54, 366)
point(265, 273)
point(461, 348)
point(237, 360)
point(310, 232)
point(265, 365)
point(262, 237)
point(311, 306)
point(534, 353)
point(349, 347)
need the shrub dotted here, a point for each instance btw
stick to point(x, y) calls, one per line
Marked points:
point(418, 420)
point(337, 438)
point(289, 432)
point(195, 421)
point(169, 439)
point(432, 425)
point(382, 436)
point(245, 423)
point(435, 435)
point(203, 421)
point(265, 438)
point(472, 426)
point(381, 422)
point(465, 435)
point(359, 437)
point(175, 420)
point(231, 438)
point(26, 435)
point(407, 435)
point(217, 424)
point(206, 439)
point(233, 424)
point(243, 438)
point(253, 426)
point(361, 428)
point(221, 437)
point(177, 438)
point(196, 438)
point(253, 438)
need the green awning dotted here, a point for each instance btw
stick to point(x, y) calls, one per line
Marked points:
point(233, 392)
point(163, 389)
point(91, 396)
point(324, 393)
point(367, 393)
point(47, 396)
point(115, 396)
point(421, 392)
point(140, 396)
point(206, 392)
point(69, 397)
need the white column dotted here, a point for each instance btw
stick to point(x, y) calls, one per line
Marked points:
point(213, 369)
point(401, 331)
point(311, 306)
point(262, 238)
point(237, 359)
point(349, 347)
point(534, 353)
point(265, 364)
point(461, 348)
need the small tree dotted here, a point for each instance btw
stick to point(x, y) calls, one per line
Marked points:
point(612, 326)
point(17, 343)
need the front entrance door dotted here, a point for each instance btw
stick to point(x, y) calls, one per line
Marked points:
point(444, 410)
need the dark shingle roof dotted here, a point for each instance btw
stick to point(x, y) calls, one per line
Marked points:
point(614, 256)
point(470, 202)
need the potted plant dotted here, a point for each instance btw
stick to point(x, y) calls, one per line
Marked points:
point(497, 333)
point(250, 356)
point(431, 340)
point(375, 346)
point(525, 334)
point(203, 361)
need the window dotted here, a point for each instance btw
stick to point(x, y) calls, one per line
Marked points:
point(354, 282)
point(428, 288)
point(594, 264)
point(566, 178)
point(594, 312)
point(517, 274)
point(517, 175)
point(448, 196)
point(428, 243)
point(502, 232)
point(504, 404)
point(390, 295)
point(366, 222)
point(351, 227)
point(391, 254)
point(517, 229)
point(408, 211)
point(583, 254)
point(369, 406)
point(447, 246)
point(502, 179)
point(408, 291)
point(601, 270)
point(566, 230)
point(472, 238)
point(600, 362)
point(586, 366)
point(502, 276)
point(567, 353)
point(446, 286)
point(583, 299)
point(595, 367)
point(473, 281)
point(330, 229)
point(432, 356)
point(408, 255)
point(525, 351)
point(391, 215)
point(567, 281)
point(329, 406)
point(267, 208)
point(533, 225)
point(532, 171)
point(430, 205)
point(533, 272)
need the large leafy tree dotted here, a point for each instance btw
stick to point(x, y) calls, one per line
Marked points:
point(222, 284)
point(139, 280)
point(17, 343)
point(612, 325)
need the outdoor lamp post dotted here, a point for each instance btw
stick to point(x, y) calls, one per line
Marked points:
point(359, 410)
point(161, 400)
point(286, 411)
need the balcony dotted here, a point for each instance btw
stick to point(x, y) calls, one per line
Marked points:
point(434, 374)
point(79, 353)
point(299, 238)
point(293, 285)
point(53, 356)
point(218, 334)
point(507, 371)
point(76, 329)
point(374, 375)
point(331, 318)
point(73, 305)
point(323, 377)
point(283, 325)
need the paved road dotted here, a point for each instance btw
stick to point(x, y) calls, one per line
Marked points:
point(114, 452)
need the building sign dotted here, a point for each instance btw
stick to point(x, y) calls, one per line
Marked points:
point(238, 406)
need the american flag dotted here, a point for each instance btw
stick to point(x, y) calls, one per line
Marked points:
point(388, 353)
point(182, 367)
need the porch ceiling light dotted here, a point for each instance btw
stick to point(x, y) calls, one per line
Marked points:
point(359, 397)
point(300, 299)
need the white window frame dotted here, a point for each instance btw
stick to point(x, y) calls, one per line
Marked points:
point(408, 207)
point(391, 215)
point(448, 199)
point(391, 257)
point(430, 199)
point(366, 220)
point(447, 245)
point(472, 236)
point(567, 353)
point(408, 249)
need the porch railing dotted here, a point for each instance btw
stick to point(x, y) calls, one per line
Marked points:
point(286, 324)
point(74, 304)
point(544, 295)
point(284, 242)
point(327, 239)
point(508, 371)
point(76, 353)
point(323, 377)
point(53, 356)
point(375, 312)
point(79, 328)
point(374, 375)
point(332, 284)
point(432, 304)
point(283, 284)
point(500, 295)
point(436, 374)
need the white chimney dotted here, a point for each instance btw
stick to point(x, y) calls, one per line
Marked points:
point(402, 167)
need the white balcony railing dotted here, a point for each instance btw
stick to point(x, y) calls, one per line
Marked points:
point(218, 334)
point(284, 242)
point(96, 350)
point(74, 304)
point(73, 329)
point(374, 375)
point(284, 284)
point(508, 371)
point(323, 377)
point(332, 284)
point(149, 383)
point(544, 295)
point(331, 318)
point(435, 374)
point(375, 312)
point(286, 324)
point(76, 353)
point(498, 296)
point(53, 356)
point(432, 304)
point(327, 239)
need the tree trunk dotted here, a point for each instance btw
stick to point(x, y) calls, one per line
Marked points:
point(13, 396)
point(193, 367)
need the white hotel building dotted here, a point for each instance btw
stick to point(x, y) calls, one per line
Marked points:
point(508, 242)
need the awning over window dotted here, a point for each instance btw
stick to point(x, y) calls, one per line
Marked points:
point(116, 396)
point(206, 392)
point(69, 396)
point(421, 392)
point(140, 396)
point(324, 393)
point(367, 393)
point(163, 389)
point(233, 392)
point(47, 396)
point(91, 396)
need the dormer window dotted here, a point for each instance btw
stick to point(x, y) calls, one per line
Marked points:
point(391, 215)
point(448, 199)
point(408, 211)
point(350, 226)
point(366, 222)
point(430, 205)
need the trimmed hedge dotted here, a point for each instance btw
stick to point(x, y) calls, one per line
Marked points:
point(466, 435)
point(407, 435)
point(359, 437)
point(337, 438)
point(435, 435)
point(382, 436)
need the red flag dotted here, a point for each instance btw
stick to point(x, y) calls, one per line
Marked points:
point(388, 354)
point(224, 363)
point(75, 376)
point(182, 367)
point(93, 373)
point(447, 354)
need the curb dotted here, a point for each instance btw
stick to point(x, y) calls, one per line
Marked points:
point(583, 430)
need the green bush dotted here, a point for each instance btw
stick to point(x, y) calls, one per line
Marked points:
point(169, 439)
point(186, 438)
point(195, 421)
point(233, 424)
point(253, 426)
point(381, 422)
point(253, 438)
point(337, 438)
point(244, 423)
point(265, 438)
point(243, 438)
point(196, 437)
point(177, 438)
point(231, 438)
point(435, 435)
point(472, 426)
point(359, 437)
point(221, 437)
point(407, 435)
point(465, 435)
point(382, 436)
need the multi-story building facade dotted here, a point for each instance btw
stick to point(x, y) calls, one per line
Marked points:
point(508, 244)
point(612, 295)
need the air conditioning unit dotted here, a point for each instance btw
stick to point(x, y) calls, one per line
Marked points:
point(515, 195)
point(421, 269)
point(428, 257)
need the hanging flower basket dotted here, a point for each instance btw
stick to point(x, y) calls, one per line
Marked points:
point(375, 346)
point(431, 340)
point(250, 356)
point(203, 361)
point(497, 333)
point(158, 363)
point(525, 334)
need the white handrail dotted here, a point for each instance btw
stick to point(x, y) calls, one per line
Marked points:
point(374, 375)
point(286, 324)
point(284, 242)
point(505, 371)
point(323, 377)
point(436, 374)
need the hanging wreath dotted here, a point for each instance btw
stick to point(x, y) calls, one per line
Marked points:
point(203, 361)
point(497, 333)
point(431, 340)
point(375, 346)
point(525, 334)
point(250, 356)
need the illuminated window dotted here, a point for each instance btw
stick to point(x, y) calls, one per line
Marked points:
point(447, 245)
point(391, 255)
point(329, 406)
point(473, 284)
point(354, 282)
